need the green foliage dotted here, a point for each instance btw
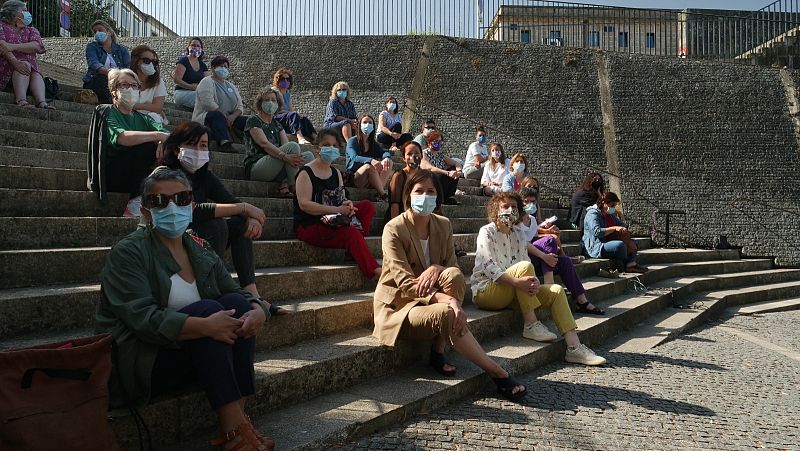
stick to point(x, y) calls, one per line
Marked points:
point(46, 15)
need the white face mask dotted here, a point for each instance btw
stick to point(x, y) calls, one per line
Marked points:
point(192, 159)
point(128, 97)
point(148, 69)
point(519, 167)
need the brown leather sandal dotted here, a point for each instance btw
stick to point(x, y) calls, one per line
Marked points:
point(244, 438)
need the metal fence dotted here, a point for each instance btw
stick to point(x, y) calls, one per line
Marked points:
point(766, 36)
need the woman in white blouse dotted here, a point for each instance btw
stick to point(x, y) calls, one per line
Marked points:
point(495, 170)
point(153, 91)
point(504, 274)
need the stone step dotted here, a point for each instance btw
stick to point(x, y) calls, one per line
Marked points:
point(757, 308)
point(342, 371)
point(32, 202)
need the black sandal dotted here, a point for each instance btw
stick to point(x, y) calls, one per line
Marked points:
point(437, 362)
point(506, 385)
point(274, 310)
point(584, 308)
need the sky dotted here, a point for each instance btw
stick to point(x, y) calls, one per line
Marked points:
point(360, 17)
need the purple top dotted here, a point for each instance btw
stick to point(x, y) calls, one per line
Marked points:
point(13, 36)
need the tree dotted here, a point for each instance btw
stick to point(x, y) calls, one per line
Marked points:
point(47, 15)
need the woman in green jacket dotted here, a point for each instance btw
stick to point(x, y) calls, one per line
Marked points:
point(174, 309)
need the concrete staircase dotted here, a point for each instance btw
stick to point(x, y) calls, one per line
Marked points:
point(322, 379)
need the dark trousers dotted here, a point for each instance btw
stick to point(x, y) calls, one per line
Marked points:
point(222, 233)
point(99, 84)
point(388, 140)
point(225, 371)
point(449, 185)
point(128, 167)
point(565, 268)
point(293, 122)
point(218, 124)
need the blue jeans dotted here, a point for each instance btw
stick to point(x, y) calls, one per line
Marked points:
point(617, 250)
point(185, 97)
point(218, 124)
point(225, 371)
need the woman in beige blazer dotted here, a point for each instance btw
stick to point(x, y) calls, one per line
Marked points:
point(421, 288)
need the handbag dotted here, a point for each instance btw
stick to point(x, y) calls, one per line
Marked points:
point(86, 96)
point(55, 396)
point(335, 198)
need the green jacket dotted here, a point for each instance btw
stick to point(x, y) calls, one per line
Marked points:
point(135, 285)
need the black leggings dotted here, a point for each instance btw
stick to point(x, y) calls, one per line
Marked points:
point(128, 167)
point(222, 233)
point(449, 185)
point(225, 371)
point(99, 84)
point(387, 140)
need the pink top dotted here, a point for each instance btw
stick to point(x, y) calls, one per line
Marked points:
point(13, 36)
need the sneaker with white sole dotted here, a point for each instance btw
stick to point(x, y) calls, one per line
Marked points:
point(583, 355)
point(134, 208)
point(539, 332)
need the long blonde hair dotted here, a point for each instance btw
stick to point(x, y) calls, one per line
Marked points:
point(337, 86)
point(492, 161)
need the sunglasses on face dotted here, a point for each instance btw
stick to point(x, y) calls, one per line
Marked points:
point(149, 61)
point(180, 199)
point(286, 78)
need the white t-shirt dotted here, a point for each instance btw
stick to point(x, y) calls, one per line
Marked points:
point(474, 150)
point(182, 293)
point(496, 175)
point(426, 250)
point(147, 96)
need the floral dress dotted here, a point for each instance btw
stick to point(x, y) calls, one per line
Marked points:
point(495, 253)
point(11, 35)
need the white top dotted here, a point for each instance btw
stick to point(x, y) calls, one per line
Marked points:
point(182, 293)
point(497, 175)
point(426, 250)
point(147, 96)
point(110, 63)
point(530, 232)
point(495, 253)
point(474, 150)
point(390, 119)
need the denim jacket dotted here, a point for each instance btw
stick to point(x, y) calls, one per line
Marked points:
point(593, 234)
point(96, 58)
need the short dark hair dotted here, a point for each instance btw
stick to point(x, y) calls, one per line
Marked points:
point(480, 129)
point(332, 132)
point(430, 121)
point(420, 176)
point(528, 192)
point(607, 198)
point(219, 60)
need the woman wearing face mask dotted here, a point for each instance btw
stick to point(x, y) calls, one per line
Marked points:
point(292, 121)
point(340, 114)
point(19, 45)
point(102, 55)
point(584, 197)
point(428, 126)
point(494, 173)
point(477, 155)
point(144, 61)
point(132, 138)
point(368, 163)
point(412, 156)
point(218, 217)
point(421, 288)
point(177, 316)
point(317, 183)
point(271, 157)
point(189, 71)
point(446, 169)
point(219, 104)
point(518, 171)
point(605, 235)
point(390, 126)
point(503, 274)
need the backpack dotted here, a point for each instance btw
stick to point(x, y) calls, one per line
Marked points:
point(51, 89)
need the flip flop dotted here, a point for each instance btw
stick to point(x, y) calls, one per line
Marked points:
point(506, 385)
point(437, 362)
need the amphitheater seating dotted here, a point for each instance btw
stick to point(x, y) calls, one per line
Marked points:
point(322, 379)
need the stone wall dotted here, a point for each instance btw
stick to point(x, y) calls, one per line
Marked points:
point(714, 139)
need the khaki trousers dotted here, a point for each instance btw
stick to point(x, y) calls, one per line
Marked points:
point(426, 322)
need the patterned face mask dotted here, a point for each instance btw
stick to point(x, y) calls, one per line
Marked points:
point(508, 216)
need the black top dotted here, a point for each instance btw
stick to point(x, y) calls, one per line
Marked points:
point(190, 75)
point(207, 192)
point(581, 200)
point(319, 188)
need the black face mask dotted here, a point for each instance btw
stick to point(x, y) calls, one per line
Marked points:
point(597, 184)
point(414, 163)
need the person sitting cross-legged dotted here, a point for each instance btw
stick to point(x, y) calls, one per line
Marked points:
point(177, 317)
point(421, 288)
point(503, 274)
point(218, 104)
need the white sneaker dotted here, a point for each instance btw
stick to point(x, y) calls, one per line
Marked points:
point(539, 332)
point(134, 208)
point(582, 354)
point(303, 141)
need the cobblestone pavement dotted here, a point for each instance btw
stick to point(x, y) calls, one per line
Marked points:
point(710, 389)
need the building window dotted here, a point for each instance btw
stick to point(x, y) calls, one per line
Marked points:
point(623, 39)
point(513, 27)
point(137, 27)
point(608, 28)
point(594, 39)
point(650, 41)
point(123, 20)
point(113, 11)
point(525, 36)
point(555, 34)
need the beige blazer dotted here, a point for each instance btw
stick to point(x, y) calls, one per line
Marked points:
point(403, 259)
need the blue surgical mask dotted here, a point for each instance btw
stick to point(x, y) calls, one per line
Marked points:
point(172, 220)
point(481, 139)
point(367, 128)
point(612, 210)
point(391, 106)
point(530, 208)
point(27, 18)
point(329, 154)
point(423, 204)
point(101, 36)
point(222, 71)
point(518, 167)
point(342, 93)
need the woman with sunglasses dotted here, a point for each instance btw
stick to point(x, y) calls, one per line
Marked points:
point(218, 217)
point(177, 316)
point(292, 121)
point(144, 61)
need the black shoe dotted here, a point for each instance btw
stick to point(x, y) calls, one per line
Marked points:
point(451, 201)
point(227, 147)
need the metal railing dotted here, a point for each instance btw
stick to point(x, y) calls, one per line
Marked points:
point(688, 33)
